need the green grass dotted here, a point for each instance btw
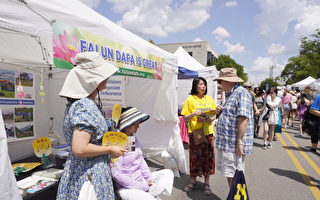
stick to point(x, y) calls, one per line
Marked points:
point(7, 94)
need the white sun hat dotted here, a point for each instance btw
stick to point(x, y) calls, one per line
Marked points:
point(84, 78)
point(247, 84)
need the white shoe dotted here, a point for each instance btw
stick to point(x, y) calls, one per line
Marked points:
point(269, 146)
point(264, 146)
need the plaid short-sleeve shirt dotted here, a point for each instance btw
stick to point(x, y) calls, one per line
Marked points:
point(239, 103)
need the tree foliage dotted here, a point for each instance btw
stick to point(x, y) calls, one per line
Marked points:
point(307, 63)
point(224, 61)
point(272, 83)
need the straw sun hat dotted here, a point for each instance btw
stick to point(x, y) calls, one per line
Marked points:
point(129, 116)
point(229, 75)
point(84, 78)
point(247, 84)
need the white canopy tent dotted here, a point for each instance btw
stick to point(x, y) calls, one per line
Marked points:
point(184, 85)
point(25, 37)
point(187, 61)
point(315, 85)
point(303, 83)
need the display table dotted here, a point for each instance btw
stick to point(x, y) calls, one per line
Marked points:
point(48, 193)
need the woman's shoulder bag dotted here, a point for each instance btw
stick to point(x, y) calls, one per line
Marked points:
point(199, 137)
point(310, 123)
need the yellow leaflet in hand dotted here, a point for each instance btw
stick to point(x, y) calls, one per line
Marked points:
point(41, 146)
point(209, 113)
point(114, 138)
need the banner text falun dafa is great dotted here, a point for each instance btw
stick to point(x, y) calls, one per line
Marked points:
point(68, 41)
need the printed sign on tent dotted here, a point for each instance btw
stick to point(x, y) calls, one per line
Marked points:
point(17, 111)
point(113, 94)
point(68, 41)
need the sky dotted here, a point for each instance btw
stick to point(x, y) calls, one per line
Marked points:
point(257, 34)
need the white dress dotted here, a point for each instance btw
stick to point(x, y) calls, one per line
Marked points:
point(274, 105)
point(293, 102)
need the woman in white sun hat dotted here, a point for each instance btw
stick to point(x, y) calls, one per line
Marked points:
point(84, 126)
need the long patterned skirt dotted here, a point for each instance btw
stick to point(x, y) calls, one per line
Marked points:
point(202, 159)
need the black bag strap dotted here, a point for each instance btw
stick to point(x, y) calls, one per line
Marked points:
point(309, 116)
point(269, 108)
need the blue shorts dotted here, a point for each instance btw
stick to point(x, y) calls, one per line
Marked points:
point(286, 107)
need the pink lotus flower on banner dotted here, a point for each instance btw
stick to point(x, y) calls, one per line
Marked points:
point(65, 48)
point(158, 74)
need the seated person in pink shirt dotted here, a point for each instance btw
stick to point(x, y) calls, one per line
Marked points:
point(131, 172)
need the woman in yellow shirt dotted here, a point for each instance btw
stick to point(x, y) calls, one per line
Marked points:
point(202, 160)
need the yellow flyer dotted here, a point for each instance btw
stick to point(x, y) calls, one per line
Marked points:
point(26, 166)
point(209, 113)
point(42, 146)
point(114, 138)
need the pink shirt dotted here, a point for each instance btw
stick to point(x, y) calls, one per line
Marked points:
point(286, 99)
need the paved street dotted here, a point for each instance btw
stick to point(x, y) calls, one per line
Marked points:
point(289, 171)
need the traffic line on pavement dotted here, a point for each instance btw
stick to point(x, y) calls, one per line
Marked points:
point(308, 159)
point(313, 188)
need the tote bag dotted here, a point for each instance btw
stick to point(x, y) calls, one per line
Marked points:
point(87, 192)
point(238, 188)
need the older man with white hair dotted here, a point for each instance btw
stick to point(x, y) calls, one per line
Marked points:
point(235, 125)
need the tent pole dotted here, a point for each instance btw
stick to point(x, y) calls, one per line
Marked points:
point(43, 16)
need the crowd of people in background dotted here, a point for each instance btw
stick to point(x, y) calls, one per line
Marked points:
point(276, 109)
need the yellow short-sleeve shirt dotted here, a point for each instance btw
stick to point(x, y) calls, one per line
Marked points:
point(193, 103)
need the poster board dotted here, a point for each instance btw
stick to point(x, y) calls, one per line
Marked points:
point(18, 114)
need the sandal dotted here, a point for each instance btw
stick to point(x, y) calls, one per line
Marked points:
point(190, 187)
point(206, 189)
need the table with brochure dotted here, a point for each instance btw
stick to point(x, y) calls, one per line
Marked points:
point(37, 182)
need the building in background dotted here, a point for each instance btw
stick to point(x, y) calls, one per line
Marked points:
point(201, 51)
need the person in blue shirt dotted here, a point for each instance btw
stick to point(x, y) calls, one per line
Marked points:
point(315, 110)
